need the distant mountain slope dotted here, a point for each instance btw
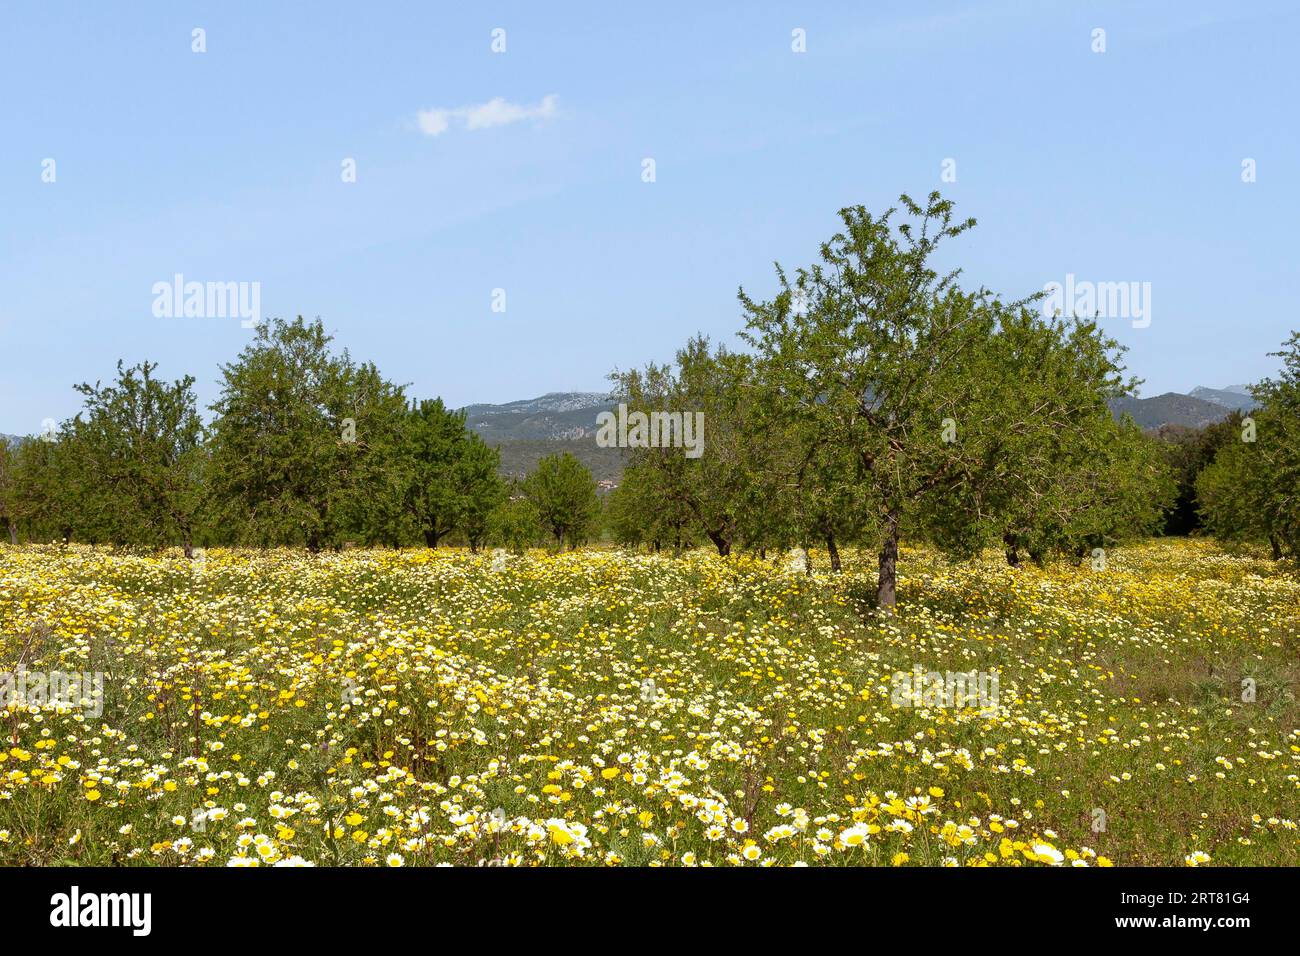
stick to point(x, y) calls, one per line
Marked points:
point(557, 422)
point(1234, 396)
point(557, 415)
point(1171, 408)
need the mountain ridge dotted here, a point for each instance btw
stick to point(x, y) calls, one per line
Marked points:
point(563, 416)
point(1234, 396)
point(571, 416)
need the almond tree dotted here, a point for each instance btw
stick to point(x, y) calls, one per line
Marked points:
point(563, 495)
point(44, 495)
point(871, 349)
point(450, 473)
point(137, 451)
point(962, 418)
point(482, 487)
point(641, 510)
point(1056, 472)
point(9, 507)
point(717, 485)
point(302, 440)
point(514, 522)
point(1251, 491)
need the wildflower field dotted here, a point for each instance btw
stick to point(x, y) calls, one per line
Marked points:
point(386, 708)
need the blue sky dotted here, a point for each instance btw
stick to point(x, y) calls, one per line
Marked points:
point(226, 166)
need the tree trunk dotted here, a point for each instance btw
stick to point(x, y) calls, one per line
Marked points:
point(1013, 553)
point(721, 543)
point(887, 585)
point(13, 532)
point(431, 538)
point(835, 553)
point(189, 548)
point(1272, 540)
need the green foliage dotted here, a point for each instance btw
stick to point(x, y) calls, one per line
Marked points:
point(10, 509)
point(481, 488)
point(871, 350)
point(1251, 491)
point(711, 486)
point(301, 441)
point(137, 459)
point(514, 522)
point(918, 405)
point(452, 475)
point(1059, 474)
point(883, 397)
point(563, 494)
point(370, 471)
point(643, 511)
point(1189, 451)
point(44, 490)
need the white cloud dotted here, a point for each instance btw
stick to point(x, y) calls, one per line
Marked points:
point(432, 122)
point(495, 112)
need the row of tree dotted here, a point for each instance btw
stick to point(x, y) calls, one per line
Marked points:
point(307, 448)
point(878, 402)
point(1250, 491)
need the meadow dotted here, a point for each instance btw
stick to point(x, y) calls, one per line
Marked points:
point(600, 707)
